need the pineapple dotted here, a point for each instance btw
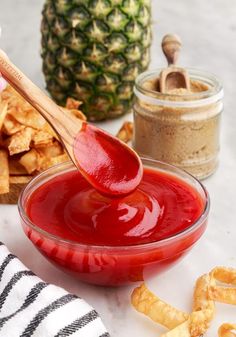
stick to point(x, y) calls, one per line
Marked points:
point(93, 50)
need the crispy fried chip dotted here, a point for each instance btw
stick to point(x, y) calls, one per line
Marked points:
point(11, 126)
point(72, 104)
point(20, 179)
point(181, 330)
point(28, 117)
point(4, 172)
point(227, 330)
point(3, 113)
point(74, 113)
point(15, 168)
point(222, 293)
point(42, 138)
point(203, 307)
point(47, 128)
point(149, 304)
point(206, 292)
point(72, 108)
point(224, 275)
point(20, 141)
point(48, 162)
point(21, 110)
point(31, 161)
point(77, 114)
point(126, 132)
point(55, 149)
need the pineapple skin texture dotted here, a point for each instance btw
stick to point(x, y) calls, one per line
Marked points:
point(93, 50)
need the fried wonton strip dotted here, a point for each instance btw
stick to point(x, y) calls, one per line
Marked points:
point(199, 322)
point(29, 118)
point(3, 113)
point(49, 162)
point(47, 128)
point(4, 172)
point(78, 114)
point(224, 275)
point(201, 300)
point(52, 150)
point(31, 161)
point(221, 293)
point(20, 179)
point(20, 141)
point(72, 104)
point(72, 108)
point(181, 330)
point(11, 126)
point(126, 132)
point(74, 113)
point(146, 302)
point(21, 110)
point(227, 330)
point(41, 138)
point(15, 168)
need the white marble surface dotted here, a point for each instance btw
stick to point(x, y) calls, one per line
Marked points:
point(208, 29)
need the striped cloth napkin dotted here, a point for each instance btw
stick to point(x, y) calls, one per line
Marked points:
point(31, 307)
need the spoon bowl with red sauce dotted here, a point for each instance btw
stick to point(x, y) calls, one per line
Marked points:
point(114, 241)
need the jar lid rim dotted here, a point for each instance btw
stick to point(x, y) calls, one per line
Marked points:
point(214, 97)
point(182, 104)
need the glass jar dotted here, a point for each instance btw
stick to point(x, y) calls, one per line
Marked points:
point(181, 128)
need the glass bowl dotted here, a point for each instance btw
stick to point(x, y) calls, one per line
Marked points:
point(113, 265)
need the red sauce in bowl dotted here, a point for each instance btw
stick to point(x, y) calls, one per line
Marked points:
point(114, 241)
point(68, 207)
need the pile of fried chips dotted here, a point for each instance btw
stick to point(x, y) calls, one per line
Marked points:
point(217, 286)
point(126, 132)
point(28, 145)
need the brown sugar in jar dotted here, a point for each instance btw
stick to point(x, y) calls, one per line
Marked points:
point(180, 127)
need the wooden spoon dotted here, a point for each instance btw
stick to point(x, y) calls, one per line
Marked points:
point(108, 164)
point(172, 77)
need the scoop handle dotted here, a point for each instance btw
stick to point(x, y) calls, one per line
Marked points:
point(171, 46)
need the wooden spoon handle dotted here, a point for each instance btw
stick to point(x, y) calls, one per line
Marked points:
point(36, 97)
point(171, 46)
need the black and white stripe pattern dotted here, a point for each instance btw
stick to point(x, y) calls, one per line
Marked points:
point(31, 307)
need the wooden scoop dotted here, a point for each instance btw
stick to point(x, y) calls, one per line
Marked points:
point(108, 164)
point(172, 77)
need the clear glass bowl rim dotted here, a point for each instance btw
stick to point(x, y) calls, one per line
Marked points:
point(68, 166)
